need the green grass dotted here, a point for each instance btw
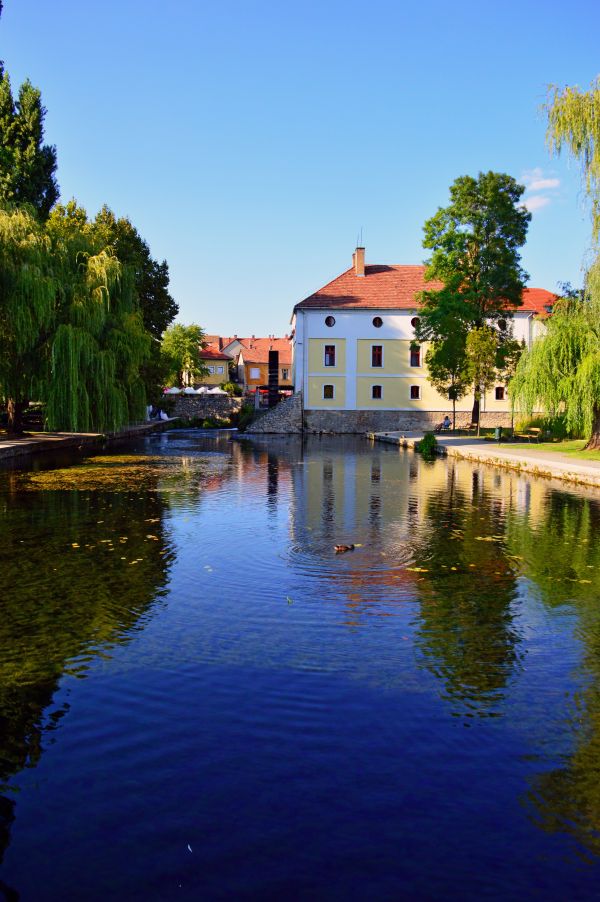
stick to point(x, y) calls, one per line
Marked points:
point(573, 448)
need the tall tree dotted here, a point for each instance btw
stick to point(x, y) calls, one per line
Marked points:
point(562, 370)
point(182, 349)
point(28, 289)
point(447, 368)
point(99, 343)
point(475, 258)
point(481, 351)
point(27, 165)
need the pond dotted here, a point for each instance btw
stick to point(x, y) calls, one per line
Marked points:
point(200, 699)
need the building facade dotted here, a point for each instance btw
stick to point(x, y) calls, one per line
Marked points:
point(357, 361)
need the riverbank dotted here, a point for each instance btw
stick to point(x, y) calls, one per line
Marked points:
point(31, 444)
point(530, 460)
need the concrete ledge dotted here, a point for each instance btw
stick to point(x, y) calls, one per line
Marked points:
point(29, 445)
point(535, 463)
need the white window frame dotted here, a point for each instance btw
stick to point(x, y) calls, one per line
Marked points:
point(219, 370)
point(255, 372)
point(211, 370)
point(376, 385)
point(330, 344)
point(410, 397)
point(378, 344)
point(323, 391)
point(285, 373)
point(503, 389)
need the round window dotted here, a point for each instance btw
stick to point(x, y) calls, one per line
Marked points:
point(377, 322)
point(415, 322)
point(330, 320)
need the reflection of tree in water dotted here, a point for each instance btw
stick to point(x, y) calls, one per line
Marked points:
point(466, 588)
point(70, 591)
point(563, 559)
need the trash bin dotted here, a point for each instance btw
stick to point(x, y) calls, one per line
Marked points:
point(498, 433)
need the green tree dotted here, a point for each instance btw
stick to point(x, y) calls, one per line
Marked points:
point(481, 351)
point(28, 291)
point(151, 280)
point(27, 165)
point(448, 369)
point(181, 350)
point(475, 258)
point(561, 371)
point(99, 344)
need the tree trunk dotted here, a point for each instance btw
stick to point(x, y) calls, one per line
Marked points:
point(453, 414)
point(594, 442)
point(476, 404)
point(15, 411)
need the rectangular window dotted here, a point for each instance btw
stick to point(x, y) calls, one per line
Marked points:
point(376, 355)
point(329, 355)
point(415, 392)
point(211, 370)
point(328, 392)
point(220, 370)
point(376, 392)
point(499, 393)
point(415, 356)
point(255, 372)
point(285, 374)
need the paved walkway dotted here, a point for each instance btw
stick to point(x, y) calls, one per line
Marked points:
point(527, 460)
point(27, 445)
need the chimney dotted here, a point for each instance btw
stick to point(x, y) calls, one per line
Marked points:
point(358, 258)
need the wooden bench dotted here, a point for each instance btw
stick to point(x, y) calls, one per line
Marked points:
point(534, 434)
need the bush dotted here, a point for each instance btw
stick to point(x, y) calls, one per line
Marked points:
point(245, 417)
point(232, 388)
point(553, 427)
point(427, 447)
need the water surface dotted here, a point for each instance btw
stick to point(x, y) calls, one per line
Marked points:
point(200, 700)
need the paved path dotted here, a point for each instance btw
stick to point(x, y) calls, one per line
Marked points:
point(527, 460)
point(28, 445)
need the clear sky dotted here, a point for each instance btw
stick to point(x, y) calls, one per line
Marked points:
point(249, 142)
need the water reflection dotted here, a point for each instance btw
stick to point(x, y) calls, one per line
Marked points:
point(472, 596)
point(81, 571)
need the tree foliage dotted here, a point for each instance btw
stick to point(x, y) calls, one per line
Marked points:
point(561, 370)
point(27, 165)
point(182, 353)
point(574, 124)
point(475, 260)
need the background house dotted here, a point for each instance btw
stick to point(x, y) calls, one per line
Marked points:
point(216, 361)
point(252, 359)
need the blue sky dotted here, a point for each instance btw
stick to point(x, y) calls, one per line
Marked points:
point(249, 142)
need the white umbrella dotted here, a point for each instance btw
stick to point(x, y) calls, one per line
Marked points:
point(173, 391)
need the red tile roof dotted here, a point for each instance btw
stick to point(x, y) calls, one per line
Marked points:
point(211, 351)
point(395, 286)
point(256, 350)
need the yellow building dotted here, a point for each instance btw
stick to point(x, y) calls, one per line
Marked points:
point(357, 361)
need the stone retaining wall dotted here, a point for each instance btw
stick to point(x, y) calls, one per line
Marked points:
point(361, 421)
point(221, 406)
point(285, 418)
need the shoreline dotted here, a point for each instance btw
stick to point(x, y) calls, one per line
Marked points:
point(540, 463)
point(13, 449)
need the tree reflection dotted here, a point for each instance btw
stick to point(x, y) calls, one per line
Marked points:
point(80, 572)
point(466, 587)
point(562, 557)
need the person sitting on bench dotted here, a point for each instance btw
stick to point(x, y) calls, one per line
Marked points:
point(445, 424)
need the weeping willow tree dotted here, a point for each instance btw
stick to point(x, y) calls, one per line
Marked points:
point(92, 380)
point(560, 374)
point(561, 371)
point(28, 289)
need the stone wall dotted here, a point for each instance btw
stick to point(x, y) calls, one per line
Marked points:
point(285, 418)
point(221, 406)
point(361, 421)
